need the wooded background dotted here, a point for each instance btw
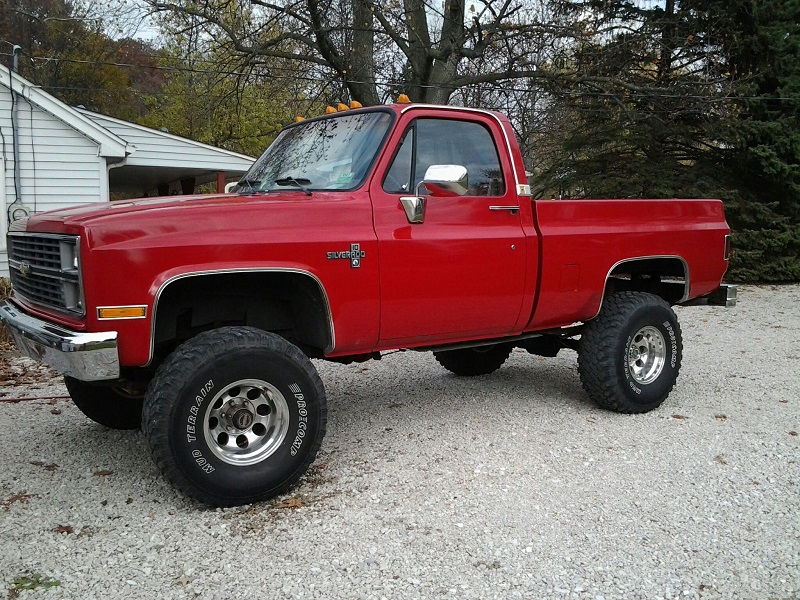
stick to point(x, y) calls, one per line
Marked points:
point(609, 98)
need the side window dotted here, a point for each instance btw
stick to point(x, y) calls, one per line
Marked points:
point(449, 142)
point(446, 142)
point(398, 178)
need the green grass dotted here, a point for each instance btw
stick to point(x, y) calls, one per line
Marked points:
point(31, 581)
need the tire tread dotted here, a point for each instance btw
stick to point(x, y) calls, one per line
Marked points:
point(596, 366)
point(185, 359)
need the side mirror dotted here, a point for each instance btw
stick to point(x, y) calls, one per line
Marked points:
point(440, 180)
point(445, 180)
point(229, 186)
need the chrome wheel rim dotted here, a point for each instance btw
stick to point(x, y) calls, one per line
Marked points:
point(246, 422)
point(646, 355)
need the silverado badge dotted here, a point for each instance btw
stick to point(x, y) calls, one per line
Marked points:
point(355, 254)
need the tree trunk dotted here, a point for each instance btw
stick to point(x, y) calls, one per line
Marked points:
point(360, 68)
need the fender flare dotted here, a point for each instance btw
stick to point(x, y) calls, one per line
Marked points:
point(686, 276)
point(219, 271)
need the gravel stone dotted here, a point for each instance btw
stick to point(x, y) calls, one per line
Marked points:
point(510, 485)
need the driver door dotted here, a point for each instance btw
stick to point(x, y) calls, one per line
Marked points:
point(460, 272)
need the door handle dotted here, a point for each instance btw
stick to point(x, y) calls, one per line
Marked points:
point(512, 209)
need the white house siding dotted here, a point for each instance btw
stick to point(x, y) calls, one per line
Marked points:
point(61, 168)
point(167, 150)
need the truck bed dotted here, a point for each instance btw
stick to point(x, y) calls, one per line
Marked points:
point(582, 241)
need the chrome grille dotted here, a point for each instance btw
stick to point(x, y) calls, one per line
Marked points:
point(45, 270)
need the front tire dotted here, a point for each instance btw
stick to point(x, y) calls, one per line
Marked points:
point(112, 407)
point(234, 416)
point(469, 362)
point(630, 354)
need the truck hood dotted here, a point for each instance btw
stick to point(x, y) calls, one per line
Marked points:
point(188, 220)
point(84, 214)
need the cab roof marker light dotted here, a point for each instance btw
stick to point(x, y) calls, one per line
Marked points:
point(329, 110)
point(342, 106)
point(403, 99)
point(355, 104)
point(299, 119)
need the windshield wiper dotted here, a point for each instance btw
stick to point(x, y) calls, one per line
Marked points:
point(250, 183)
point(300, 182)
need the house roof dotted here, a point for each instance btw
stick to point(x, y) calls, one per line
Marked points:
point(163, 149)
point(110, 144)
point(138, 145)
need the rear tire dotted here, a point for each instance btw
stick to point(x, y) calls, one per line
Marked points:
point(106, 404)
point(630, 354)
point(234, 416)
point(469, 362)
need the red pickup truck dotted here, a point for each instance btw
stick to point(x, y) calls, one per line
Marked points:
point(399, 226)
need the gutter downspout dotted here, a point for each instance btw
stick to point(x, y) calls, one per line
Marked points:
point(15, 50)
point(16, 210)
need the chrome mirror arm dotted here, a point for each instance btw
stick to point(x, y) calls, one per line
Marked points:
point(414, 207)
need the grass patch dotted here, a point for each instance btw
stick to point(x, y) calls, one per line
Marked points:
point(31, 581)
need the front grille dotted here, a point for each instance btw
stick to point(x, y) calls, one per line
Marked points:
point(45, 270)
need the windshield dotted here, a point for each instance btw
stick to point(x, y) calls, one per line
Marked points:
point(328, 154)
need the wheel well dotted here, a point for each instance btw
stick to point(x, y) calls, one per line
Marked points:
point(293, 305)
point(667, 277)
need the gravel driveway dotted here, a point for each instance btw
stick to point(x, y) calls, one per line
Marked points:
point(428, 486)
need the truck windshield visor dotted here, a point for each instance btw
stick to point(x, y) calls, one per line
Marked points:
point(325, 154)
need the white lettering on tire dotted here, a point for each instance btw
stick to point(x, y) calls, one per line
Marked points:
point(206, 466)
point(302, 424)
point(673, 342)
point(191, 426)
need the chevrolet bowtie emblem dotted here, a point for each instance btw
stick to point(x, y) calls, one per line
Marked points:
point(355, 254)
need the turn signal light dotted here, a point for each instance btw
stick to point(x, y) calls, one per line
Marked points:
point(121, 312)
point(329, 110)
point(403, 99)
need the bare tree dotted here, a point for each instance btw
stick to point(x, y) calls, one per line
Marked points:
point(373, 46)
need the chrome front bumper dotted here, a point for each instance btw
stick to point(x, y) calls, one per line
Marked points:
point(85, 356)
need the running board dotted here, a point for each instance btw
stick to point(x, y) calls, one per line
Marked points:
point(563, 332)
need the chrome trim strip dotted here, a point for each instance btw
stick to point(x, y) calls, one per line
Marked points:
point(245, 270)
point(85, 356)
point(686, 285)
point(99, 318)
point(56, 236)
point(480, 112)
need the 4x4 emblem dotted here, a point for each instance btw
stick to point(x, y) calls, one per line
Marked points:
point(355, 254)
